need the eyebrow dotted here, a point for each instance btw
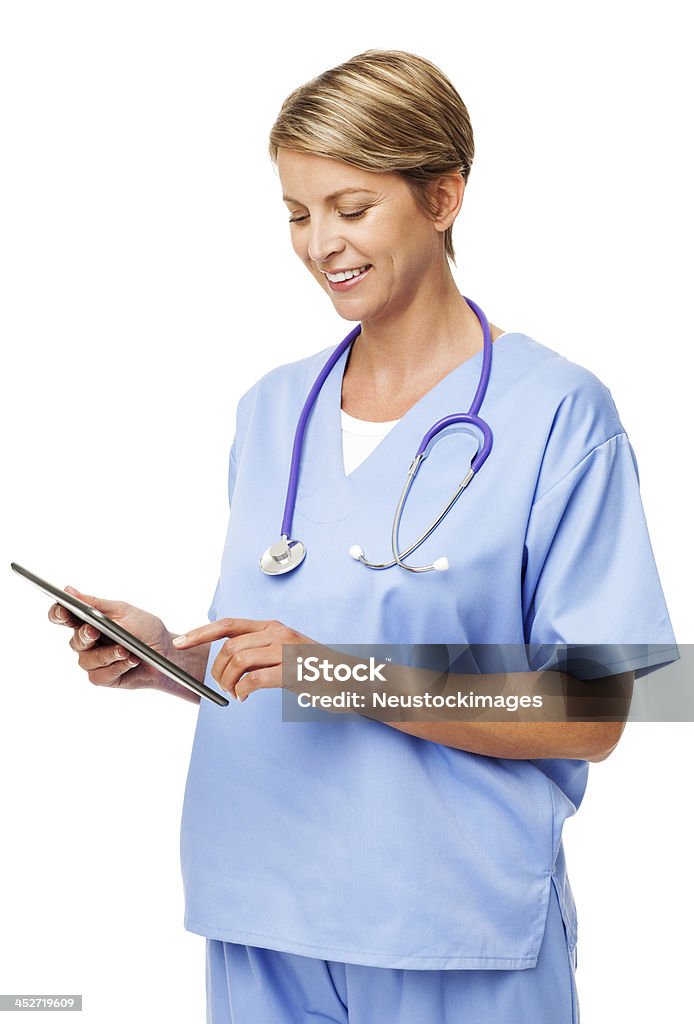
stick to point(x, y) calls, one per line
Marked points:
point(335, 195)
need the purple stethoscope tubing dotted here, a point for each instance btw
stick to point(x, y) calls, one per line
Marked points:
point(301, 427)
point(470, 417)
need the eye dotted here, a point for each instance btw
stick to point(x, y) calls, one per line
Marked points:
point(347, 216)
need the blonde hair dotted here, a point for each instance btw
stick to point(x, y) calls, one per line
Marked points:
point(382, 110)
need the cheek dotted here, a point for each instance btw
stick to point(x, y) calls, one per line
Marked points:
point(405, 267)
point(404, 254)
point(414, 254)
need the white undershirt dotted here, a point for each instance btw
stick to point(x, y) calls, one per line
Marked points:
point(360, 437)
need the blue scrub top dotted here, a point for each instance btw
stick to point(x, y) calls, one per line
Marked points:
point(351, 840)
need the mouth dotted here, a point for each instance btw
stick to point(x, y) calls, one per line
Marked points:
point(345, 286)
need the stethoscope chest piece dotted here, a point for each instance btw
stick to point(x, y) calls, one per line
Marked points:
point(282, 556)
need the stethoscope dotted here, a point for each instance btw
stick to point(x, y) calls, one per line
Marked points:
point(287, 553)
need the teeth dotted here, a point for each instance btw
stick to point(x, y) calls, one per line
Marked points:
point(346, 275)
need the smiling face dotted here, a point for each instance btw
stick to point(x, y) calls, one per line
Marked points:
point(343, 218)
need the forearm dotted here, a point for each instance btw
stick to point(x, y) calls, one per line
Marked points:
point(542, 733)
point(547, 714)
point(588, 741)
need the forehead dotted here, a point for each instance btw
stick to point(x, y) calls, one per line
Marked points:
point(306, 176)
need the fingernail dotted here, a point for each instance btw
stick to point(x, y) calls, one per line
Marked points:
point(120, 653)
point(179, 640)
point(60, 612)
point(132, 662)
point(90, 633)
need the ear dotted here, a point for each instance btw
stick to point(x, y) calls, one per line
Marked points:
point(447, 198)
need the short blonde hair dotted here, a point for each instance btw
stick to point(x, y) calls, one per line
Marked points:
point(382, 110)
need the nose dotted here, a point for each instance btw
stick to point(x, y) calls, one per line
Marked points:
point(323, 241)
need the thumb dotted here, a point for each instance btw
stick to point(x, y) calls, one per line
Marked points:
point(109, 608)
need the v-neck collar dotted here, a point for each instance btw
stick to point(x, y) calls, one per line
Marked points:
point(325, 493)
point(410, 422)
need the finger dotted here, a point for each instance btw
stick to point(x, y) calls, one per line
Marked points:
point(102, 656)
point(228, 671)
point(219, 628)
point(111, 675)
point(84, 637)
point(235, 651)
point(56, 613)
point(259, 679)
point(251, 660)
point(108, 607)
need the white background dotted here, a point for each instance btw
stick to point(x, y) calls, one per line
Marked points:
point(148, 280)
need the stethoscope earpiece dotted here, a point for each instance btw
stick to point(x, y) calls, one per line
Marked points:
point(286, 554)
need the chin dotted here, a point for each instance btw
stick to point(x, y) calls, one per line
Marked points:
point(350, 317)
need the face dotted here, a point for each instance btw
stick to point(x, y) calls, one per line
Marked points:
point(343, 218)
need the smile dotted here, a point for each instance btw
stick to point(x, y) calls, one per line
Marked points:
point(341, 282)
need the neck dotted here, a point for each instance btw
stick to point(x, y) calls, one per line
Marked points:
point(433, 332)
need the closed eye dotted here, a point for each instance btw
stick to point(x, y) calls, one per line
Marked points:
point(347, 216)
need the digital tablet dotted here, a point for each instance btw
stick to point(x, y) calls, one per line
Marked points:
point(111, 629)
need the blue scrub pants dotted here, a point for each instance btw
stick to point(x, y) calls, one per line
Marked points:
point(251, 985)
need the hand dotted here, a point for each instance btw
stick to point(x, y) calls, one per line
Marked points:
point(253, 651)
point(107, 663)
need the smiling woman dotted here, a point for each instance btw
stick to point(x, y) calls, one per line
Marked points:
point(417, 915)
point(443, 892)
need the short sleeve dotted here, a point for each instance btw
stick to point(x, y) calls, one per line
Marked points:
point(590, 580)
point(212, 610)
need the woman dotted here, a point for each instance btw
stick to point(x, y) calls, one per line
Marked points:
point(399, 871)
